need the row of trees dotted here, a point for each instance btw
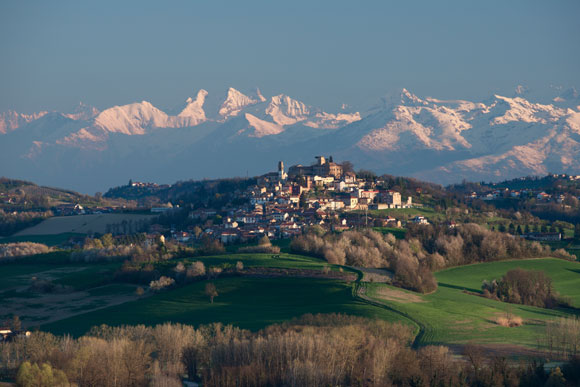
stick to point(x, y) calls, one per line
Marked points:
point(316, 350)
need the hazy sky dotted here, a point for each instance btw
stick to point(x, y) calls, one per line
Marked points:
point(56, 53)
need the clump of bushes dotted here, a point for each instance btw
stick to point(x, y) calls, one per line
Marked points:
point(520, 286)
point(509, 321)
point(161, 283)
point(21, 249)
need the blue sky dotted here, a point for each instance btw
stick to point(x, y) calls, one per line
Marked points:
point(56, 53)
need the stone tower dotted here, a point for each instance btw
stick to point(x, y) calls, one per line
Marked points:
point(281, 173)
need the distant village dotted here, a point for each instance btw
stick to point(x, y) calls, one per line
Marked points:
point(283, 203)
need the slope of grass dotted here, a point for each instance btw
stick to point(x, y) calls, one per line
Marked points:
point(282, 260)
point(245, 302)
point(49, 240)
point(452, 316)
point(564, 274)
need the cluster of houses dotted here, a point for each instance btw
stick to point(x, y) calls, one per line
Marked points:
point(282, 204)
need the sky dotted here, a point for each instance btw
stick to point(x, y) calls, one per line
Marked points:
point(325, 53)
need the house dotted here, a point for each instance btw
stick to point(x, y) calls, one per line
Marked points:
point(182, 236)
point(543, 196)
point(351, 201)
point(391, 197)
point(280, 216)
point(419, 220)
point(228, 237)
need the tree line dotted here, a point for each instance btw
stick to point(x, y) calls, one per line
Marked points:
point(314, 350)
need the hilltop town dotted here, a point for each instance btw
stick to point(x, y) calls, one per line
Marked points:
point(281, 204)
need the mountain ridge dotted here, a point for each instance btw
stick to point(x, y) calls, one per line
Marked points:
point(437, 140)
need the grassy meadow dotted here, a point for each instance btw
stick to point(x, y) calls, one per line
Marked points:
point(451, 315)
point(250, 303)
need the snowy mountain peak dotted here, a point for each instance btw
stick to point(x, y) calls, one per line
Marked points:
point(235, 102)
point(130, 119)
point(286, 111)
point(12, 120)
point(193, 111)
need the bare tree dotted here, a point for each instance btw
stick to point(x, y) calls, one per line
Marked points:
point(210, 291)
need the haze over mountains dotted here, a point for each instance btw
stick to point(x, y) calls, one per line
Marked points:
point(247, 133)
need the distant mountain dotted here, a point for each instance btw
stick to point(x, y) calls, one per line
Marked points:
point(239, 134)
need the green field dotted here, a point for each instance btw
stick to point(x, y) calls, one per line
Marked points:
point(407, 213)
point(452, 316)
point(399, 233)
point(290, 261)
point(249, 303)
point(49, 240)
point(564, 274)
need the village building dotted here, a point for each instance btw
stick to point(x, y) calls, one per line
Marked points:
point(323, 168)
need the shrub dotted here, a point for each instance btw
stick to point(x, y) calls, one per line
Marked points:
point(161, 283)
point(196, 269)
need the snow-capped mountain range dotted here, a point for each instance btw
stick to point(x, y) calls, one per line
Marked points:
point(436, 140)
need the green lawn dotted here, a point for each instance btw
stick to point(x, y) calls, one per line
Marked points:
point(281, 260)
point(49, 240)
point(407, 213)
point(399, 233)
point(245, 302)
point(452, 316)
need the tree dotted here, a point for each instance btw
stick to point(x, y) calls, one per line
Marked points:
point(239, 266)
point(264, 241)
point(210, 291)
point(31, 375)
point(15, 324)
point(577, 231)
point(347, 166)
point(196, 269)
point(107, 240)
